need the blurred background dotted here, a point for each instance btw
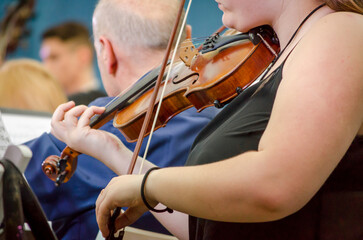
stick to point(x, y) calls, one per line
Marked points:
point(204, 17)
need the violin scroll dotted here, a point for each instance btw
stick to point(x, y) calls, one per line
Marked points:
point(60, 169)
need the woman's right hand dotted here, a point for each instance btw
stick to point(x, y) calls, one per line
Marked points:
point(122, 191)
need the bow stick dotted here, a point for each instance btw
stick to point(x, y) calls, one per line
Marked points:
point(156, 88)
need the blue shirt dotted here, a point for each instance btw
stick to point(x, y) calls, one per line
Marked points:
point(70, 206)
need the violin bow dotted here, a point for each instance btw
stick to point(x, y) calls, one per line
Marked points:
point(149, 112)
point(166, 83)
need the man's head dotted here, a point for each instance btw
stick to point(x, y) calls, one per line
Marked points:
point(67, 52)
point(130, 38)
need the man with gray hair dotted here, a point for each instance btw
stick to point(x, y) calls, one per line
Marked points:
point(130, 37)
point(133, 34)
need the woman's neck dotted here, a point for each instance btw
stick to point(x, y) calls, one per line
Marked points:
point(292, 14)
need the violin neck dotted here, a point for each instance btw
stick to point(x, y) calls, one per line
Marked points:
point(139, 88)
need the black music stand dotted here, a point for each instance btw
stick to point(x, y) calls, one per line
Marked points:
point(18, 202)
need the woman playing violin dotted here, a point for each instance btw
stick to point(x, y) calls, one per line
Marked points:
point(283, 160)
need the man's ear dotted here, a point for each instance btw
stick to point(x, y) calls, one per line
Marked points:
point(108, 55)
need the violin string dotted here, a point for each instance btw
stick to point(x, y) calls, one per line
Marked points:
point(163, 90)
point(197, 41)
point(112, 100)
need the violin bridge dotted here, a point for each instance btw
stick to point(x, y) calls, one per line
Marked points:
point(187, 52)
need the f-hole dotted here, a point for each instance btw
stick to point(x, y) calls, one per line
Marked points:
point(177, 81)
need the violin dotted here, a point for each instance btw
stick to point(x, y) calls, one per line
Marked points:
point(221, 69)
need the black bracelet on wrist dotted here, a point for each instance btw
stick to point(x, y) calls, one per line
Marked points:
point(143, 194)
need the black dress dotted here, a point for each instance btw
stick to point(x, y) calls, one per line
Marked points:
point(335, 212)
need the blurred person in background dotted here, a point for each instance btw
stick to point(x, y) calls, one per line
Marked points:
point(27, 85)
point(67, 52)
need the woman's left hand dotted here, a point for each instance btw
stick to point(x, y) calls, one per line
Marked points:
point(122, 191)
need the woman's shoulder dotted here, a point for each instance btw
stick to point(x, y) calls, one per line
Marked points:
point(337, 35)
point(345, 16)
point(339, 25)
point(330, 50)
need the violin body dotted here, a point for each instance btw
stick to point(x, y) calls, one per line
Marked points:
point(227, 71)
point(215, 77)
